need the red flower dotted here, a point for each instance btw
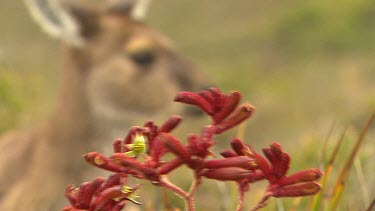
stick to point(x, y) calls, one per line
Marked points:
point(141, 155)
point(223, 108)
point(301, 183)
point(101, 194)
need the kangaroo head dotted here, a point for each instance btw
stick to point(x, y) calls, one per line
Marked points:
point(126, 67)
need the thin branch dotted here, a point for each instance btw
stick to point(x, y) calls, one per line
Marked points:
point(241, 197)
point(262, 203)
point(164, 182)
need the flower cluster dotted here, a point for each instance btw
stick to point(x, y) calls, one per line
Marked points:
point(101, 194)
point(141, 155)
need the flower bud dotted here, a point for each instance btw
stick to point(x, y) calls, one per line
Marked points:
point(100, 161)
point(239, 115)
point(218, 97)
point(71, 193)
point(193, 144)
point(238, 161)
point(230, 103)
point(106, 195)
point(255, 176)
point(301, 176)
point(207, 95)
point(175, 146)
point(117, 146)
point(113, 180)
point(280, 160)
point(70, 208)
point(135, 165)
point(194, 99)
point(170, 124)
point(169, 166)
point(238, 146)
point(226, 174)
point(228, 153)
point(86, 191)
point(299, 189)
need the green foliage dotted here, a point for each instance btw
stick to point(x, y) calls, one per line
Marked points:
point(322, 26)
point(10, 104)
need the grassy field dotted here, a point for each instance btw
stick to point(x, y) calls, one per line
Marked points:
point(303, 64)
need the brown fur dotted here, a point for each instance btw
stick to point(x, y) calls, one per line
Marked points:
point(103, 91)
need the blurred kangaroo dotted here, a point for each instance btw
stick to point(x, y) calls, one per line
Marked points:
point(115, 68)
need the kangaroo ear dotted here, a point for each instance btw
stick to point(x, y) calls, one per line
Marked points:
point(69, 22)
point(135, 9)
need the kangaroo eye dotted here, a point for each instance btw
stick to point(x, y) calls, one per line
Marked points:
point(141, 50)
point(143, 58)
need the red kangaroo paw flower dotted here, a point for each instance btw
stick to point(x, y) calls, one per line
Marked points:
point(140, 155)
point(71, 193)
point(238, 146)
point(170, 124)
point(278, 159)
point(113, 180)
point(228, 153)
point(276, 149)
point(194, 99)
point(119, 206)
point(208, 96)
point(261, 162)
point(242, 112)
point(230, 103)
point(169, 166)
point(150, 132)
point(117, 146)
point(218, 99)
point(193, 144)
point(207, 133)
point(129, 137)
point(106, 195)
point(157, 150)
point(255, 176)
point(226, 174)
point(299, 189)
point(238, 161)
point(100, 161)
point(175, 146)
point(281, 167)
point(135, 165)
point(71, 208)
point(149, 124)
point(301, 176)
point(86, 192)
point(269, 155)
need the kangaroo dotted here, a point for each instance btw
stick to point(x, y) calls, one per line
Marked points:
point(116, 71)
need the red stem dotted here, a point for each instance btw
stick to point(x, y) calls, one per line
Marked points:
point(263, 202)
point(189, 200)
point(241, 197)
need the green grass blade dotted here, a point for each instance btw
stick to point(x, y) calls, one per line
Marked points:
point(362, 181)
point(326, 140)
point(340, 182)
point(318, 198)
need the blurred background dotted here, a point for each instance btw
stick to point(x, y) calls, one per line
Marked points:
point(305, 65)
